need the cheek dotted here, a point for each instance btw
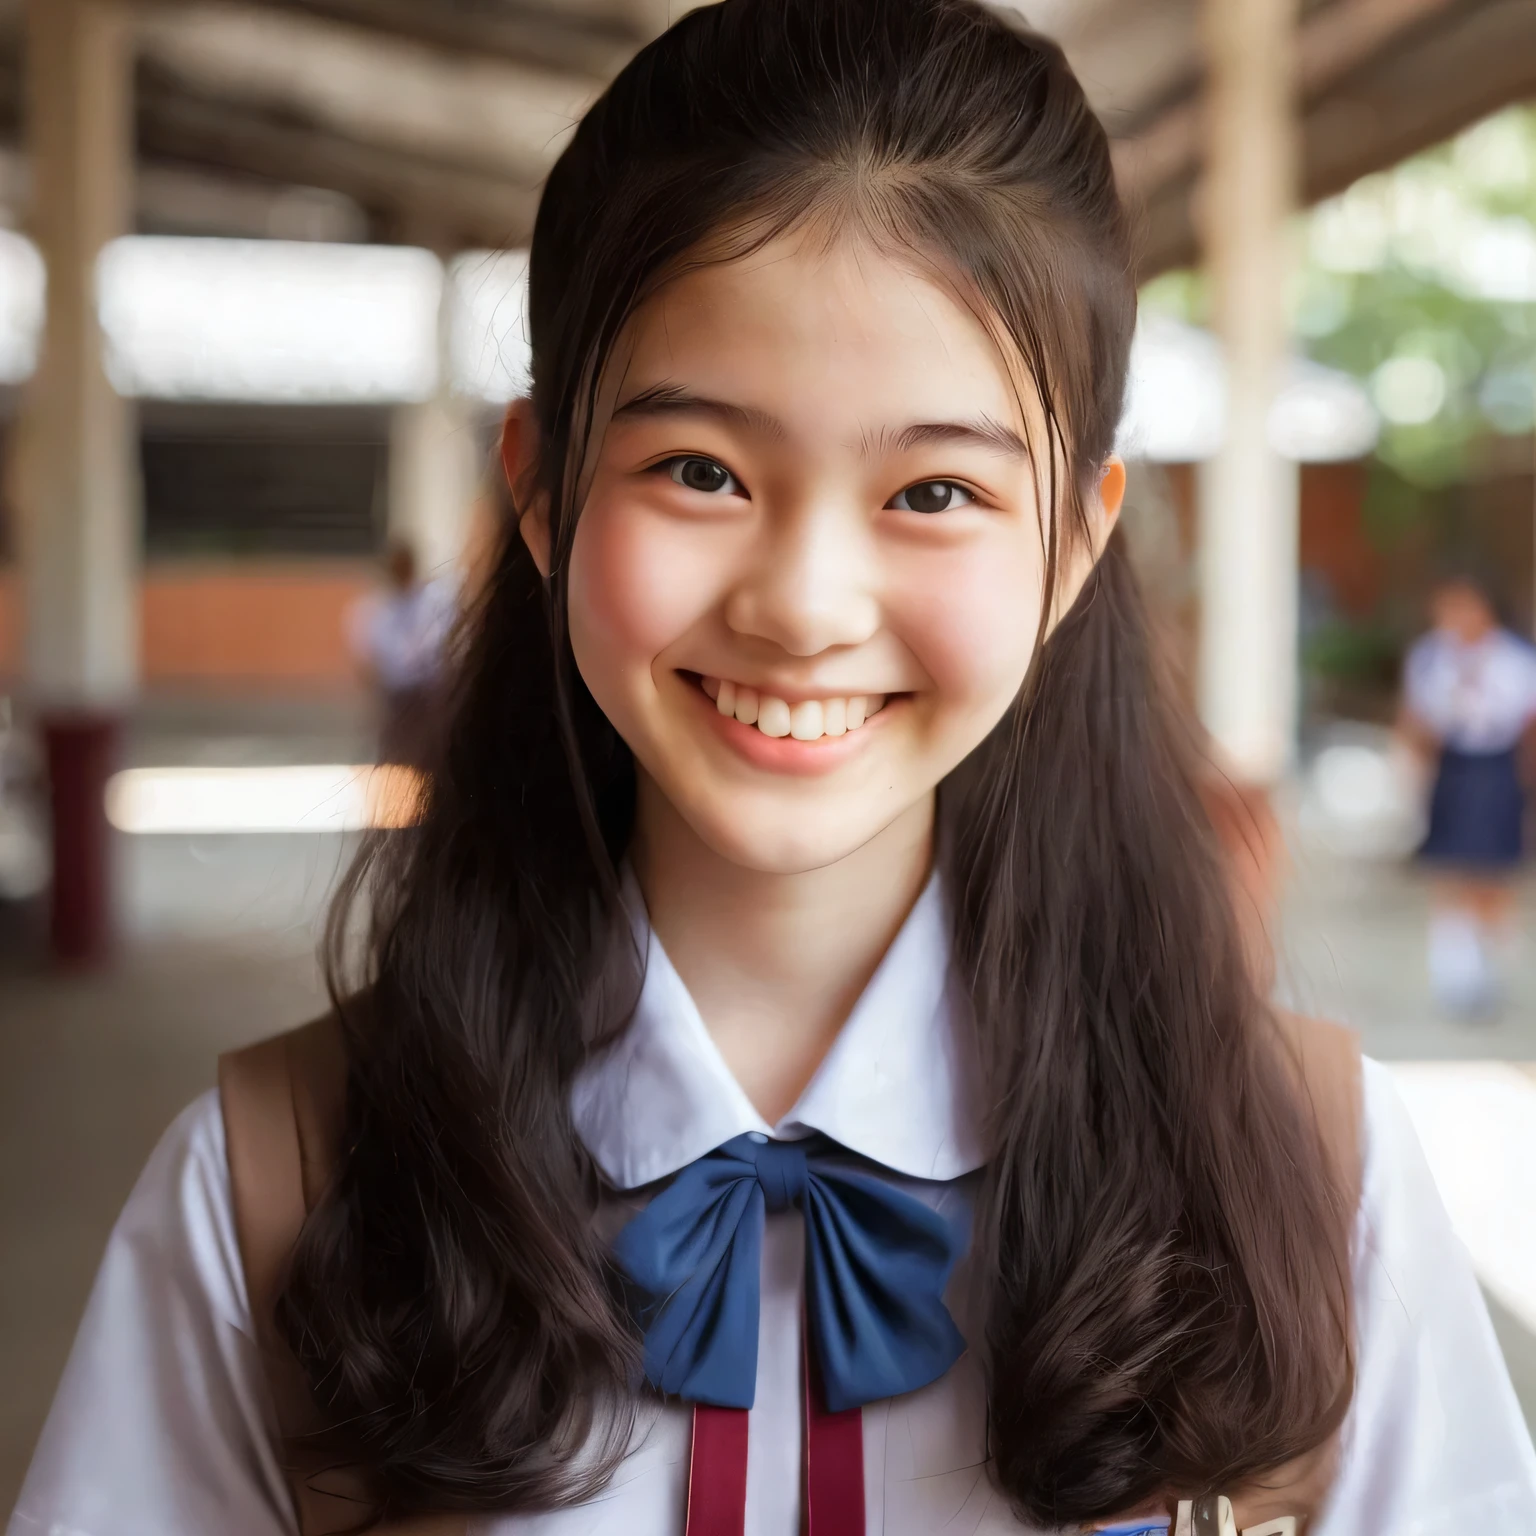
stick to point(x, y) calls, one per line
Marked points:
point(971, 619)
point(638, 584)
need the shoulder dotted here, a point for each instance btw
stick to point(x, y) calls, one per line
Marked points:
point(1515, 652)
point(1398, 1178)
point(1435, 1427)
point(1426, 650)
point(177, 1230)
point(189, 1157)
point(1403, 1224)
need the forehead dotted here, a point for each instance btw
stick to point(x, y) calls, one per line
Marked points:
point(828, 338)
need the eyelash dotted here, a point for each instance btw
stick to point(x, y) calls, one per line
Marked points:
point(672, 468)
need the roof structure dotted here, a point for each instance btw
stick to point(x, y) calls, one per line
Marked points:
point(434, 121)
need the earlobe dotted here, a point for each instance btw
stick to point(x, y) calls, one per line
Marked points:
point(519, 447)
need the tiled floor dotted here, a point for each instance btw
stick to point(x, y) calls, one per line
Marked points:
point(92, 1069)
point(220, 951)
point(1354, 951)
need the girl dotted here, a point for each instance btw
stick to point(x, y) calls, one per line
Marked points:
point(806, 1073)
point(1469, 695)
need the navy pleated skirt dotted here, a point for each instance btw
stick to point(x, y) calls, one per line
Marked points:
point(1476, 812)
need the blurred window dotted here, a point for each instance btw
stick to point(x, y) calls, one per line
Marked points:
point(270, 320)
point(264, 481)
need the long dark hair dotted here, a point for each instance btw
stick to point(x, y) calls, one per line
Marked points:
point(1161, 1240)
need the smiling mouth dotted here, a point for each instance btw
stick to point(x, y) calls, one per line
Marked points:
point(809, 720)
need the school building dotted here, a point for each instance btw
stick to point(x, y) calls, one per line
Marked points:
point(260, 307)
point(171, 523)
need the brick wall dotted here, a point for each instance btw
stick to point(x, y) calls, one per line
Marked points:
point(253, 624)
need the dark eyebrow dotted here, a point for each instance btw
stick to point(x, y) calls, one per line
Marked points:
point(981, 432)
point(674, 400)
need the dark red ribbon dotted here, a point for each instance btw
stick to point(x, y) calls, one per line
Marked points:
point(834, 1469)
point(717, 1472)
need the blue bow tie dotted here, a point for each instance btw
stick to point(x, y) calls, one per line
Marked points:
point(877, 1263)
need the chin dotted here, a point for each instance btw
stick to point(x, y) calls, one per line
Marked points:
point(782, 842)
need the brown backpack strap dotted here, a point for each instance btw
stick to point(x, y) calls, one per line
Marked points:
point(1327, 1058)
point(283, 1101)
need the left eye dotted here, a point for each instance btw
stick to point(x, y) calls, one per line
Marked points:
point(932, 496)
point(701, 474)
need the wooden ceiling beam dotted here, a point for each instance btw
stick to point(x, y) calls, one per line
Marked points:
point(402, 194)
point(1380, 80)
point(1347, 36)
point(481, 113)
point(584, 39)
point(1412, 99)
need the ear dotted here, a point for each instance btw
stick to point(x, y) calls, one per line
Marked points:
point(1080, 560)
point(1111, 498)
point(519, 450)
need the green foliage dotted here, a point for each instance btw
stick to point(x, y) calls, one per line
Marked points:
point(1351, 651)
point(1435, 263)
point(1394, 508)
point(1180, 295)
point(1421, 282)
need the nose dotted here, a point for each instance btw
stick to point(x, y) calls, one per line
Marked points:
point(812, 584)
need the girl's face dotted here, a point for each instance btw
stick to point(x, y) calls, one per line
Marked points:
point(808, 575)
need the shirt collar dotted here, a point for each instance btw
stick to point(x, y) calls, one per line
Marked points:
point(899, 1086)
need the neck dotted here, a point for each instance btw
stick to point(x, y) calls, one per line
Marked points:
point(775, 962)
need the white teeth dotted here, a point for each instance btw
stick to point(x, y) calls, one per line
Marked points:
point(773, 717)
point(806, 721)
point(809, 720)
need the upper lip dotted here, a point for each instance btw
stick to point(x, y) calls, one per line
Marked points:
point(802, 694)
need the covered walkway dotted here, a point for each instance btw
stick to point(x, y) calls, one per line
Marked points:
point(430, 124)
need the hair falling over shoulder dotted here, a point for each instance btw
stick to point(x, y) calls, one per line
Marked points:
point(1164, 1245)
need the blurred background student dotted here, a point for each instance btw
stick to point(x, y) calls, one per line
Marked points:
point(399, 636)
point(1469, 698)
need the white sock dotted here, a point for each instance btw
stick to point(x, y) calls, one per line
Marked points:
point(1461, 972)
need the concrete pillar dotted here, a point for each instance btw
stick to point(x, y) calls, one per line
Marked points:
point(78, 480)
point(1248, 495)
point(435, 465)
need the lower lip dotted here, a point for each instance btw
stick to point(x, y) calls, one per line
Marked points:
point(784, 754)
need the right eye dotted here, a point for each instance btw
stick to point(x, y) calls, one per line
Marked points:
point(708, 476)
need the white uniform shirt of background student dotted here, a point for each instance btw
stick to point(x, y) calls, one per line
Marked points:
point(1477, 698)
point(808, 581)
point(1469, 696)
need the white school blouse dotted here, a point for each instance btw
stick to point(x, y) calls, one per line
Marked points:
point(1475, 698)
point(161, 1425)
